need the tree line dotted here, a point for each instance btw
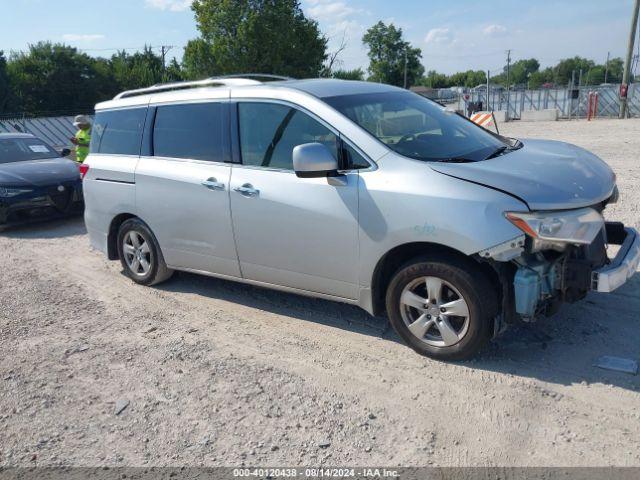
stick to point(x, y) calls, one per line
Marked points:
point(245, 36)
point(526, 73)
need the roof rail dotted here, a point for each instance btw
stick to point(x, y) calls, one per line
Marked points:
point(167, 87)
point(267, 76)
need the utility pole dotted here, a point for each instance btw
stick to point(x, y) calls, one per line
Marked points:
point(487, 105)
point(627, 63)
point(508, 81)
point(570, 92)
point(164, 49)
point(406, 62)
point(573, 79)
point(606, 68)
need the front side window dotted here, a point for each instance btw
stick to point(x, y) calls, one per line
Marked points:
point(192, 131)
point(118, 131)
point(269, 133)
point(416, 127)
point(21, 149)
point(354, 161)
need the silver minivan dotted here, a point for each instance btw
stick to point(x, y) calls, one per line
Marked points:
point(356, 192)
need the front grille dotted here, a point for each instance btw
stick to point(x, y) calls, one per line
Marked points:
point(61, 200)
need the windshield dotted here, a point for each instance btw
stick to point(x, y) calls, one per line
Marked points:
point(418, 128)
point(23, 149)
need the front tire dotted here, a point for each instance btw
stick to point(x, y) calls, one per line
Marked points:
point(442, 308)
point(140, 254)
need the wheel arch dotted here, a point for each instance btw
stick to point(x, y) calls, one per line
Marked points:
point(112, 237)
point(399, 255)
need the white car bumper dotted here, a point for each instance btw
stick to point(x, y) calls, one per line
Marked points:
point(622, 267)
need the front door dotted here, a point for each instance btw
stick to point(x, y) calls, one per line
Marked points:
point(290, 231)
point(182, 189)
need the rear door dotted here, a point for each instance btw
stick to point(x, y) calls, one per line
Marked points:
point(182, 186)
point(109, 187)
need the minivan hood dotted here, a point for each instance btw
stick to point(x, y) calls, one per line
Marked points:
point(38, 173)
point(545, 174)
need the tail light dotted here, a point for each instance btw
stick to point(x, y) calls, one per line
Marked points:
point(84, 168)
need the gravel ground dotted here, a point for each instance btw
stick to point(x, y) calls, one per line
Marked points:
point(97, 371)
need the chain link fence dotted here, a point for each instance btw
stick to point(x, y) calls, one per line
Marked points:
point(55, 130)
point(570, 103)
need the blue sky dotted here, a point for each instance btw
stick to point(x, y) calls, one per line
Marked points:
point(453, 34)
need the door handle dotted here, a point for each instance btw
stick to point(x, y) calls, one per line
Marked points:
point(247, 190)
point(213, 184)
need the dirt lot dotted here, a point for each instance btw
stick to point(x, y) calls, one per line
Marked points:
point(218, 373)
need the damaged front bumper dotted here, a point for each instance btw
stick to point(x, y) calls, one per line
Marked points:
point(624, 265)
point(537, 283)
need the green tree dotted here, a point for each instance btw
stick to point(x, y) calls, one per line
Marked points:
point(199, 60)
point(434, 79)
point(598, 74)
point(5, 87)
point(475, 78)
point(520, 73)
point(459, 79)
point(356, 74)
point(388, 53)
point(616, 67)
point(594, 76)
point(563, 71)
point(470, 78)
point(139, 70)
point(57, 77)
point(539, 78)
point(254, 36)
point(173, 72)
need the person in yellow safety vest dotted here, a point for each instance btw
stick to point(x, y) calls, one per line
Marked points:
point(82, 138)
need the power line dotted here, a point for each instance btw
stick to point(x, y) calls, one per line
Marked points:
point(471, 55)
point(116, 48)
point(120, 49)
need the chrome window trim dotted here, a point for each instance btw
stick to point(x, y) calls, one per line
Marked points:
point(191, 101)
point(258, 167)
point(127, 155)
point(125, 107)
point(186, 160)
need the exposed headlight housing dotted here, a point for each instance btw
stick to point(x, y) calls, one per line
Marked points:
point(6, 192)
point(556, 229)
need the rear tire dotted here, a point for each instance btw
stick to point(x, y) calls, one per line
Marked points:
point(140, 254)
point(442, 307)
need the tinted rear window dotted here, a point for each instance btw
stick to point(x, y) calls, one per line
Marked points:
point(118, 131)
point(24, 149)
point(193, 131)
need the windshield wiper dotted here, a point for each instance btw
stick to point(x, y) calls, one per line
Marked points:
point(498, 151)
point(517, 144)
point(455, 160)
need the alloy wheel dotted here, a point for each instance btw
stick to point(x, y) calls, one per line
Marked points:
point(137, 253)
point(434, 311)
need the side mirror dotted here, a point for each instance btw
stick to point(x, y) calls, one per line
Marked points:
point(65, 152)
point(313, 160)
